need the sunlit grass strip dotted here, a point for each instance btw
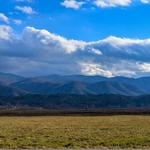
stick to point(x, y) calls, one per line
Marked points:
point(75, 132)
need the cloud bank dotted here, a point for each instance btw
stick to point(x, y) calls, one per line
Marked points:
point(38, 52)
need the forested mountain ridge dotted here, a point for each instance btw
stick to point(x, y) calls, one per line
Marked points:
point(75, 84)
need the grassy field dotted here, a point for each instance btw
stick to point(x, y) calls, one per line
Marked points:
point(75, 132)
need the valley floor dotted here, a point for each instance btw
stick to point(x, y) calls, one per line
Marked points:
point(75, 132)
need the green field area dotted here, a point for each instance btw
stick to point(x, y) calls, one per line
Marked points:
point(75, 132)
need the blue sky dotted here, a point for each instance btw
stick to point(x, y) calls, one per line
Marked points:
point(92, 36)
point(89, 22)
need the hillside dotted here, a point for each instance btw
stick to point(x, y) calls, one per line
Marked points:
point(76, 84)
point(7, 78)
point(6, 90)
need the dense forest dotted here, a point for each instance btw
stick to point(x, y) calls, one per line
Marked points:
point(63, 101)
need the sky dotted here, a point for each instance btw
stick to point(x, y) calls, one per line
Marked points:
point(89, 37)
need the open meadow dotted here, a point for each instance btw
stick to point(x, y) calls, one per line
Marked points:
point(75, 132)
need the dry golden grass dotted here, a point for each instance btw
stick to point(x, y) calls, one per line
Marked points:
point(75, 132)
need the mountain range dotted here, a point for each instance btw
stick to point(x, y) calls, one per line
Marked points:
point(14, 85)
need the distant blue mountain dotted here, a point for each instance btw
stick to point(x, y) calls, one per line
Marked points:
point(7, 78)
point(68, 78)
point(77, 84)
point(6, 90)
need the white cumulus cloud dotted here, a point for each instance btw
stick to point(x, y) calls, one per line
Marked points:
point(72, 4)
point(17, 21)
point(4, 18)
point(112, 3)
point(5, 32)
point(52, 41)
point(94, 69)
point(25, 9)
point(145, 1)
